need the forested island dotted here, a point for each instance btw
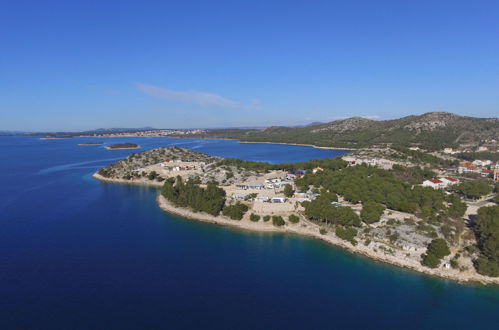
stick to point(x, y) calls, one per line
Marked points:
point(383, 212)
point(123, 146)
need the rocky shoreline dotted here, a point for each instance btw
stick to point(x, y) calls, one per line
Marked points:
point(310, 229)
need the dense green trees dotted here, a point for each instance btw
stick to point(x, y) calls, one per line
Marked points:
point(412, 175)
point(473, 189)
point(320, 209)
point(471, 156)
point(369, 184)
point(209, 200)
point(457, 207)
point(329, 163)
point(235, 211)
point(487, 232)
point(371, 212)
point(437, 249)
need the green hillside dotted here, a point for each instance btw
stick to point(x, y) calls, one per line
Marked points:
point(432, 130)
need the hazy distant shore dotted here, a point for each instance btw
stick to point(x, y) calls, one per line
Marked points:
point(310, 229)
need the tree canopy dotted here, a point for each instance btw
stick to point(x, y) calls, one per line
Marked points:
point(487, 232)
point(210, 200)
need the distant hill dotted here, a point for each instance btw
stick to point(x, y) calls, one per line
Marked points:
point(432, 130)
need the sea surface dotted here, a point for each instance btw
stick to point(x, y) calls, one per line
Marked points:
point(76, 253)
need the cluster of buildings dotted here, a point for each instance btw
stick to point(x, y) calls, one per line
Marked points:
point(485, 168)
point(440, 183)
point(276, 183)
point(261, 199)
point(171, 165)
point(154, 133)
point(382, 163)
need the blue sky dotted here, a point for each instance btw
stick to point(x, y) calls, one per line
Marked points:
point(71, 65)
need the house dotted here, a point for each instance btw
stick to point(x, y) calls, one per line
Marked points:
point(278, 199)
point(241, 197)
point(434, 183)
point(241, 186)
point(414, 148)
point(337, 204)
point(282, 184)
point(451, 151)
point(262, 199)
point(482, 149)
point(350, 160)
point(257, 186)
point(449, 181)
point(487, 173)
point(482, 163)
point(317, 169)
point(468, 167)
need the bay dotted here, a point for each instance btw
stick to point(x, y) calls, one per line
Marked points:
point(76, 253)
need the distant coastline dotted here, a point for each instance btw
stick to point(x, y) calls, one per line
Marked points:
point(309, 229)
point(91, 144)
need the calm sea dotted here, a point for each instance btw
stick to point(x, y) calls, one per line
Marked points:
point(80, 254)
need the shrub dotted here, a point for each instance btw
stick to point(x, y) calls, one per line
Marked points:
point(293, 218)
point(323, 231)
point(266, 218)
point(236, 211)
point(254, 217)
point(439, 248)
point(288, 191)
point(430, 260)
point(347, 234)
point(277, 221)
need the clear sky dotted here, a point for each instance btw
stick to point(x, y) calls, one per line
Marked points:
point(71, 65)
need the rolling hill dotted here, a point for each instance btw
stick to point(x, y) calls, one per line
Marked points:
point(433, 130)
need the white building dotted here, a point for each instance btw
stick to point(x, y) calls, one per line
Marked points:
point(449, 181)
point(434, 183)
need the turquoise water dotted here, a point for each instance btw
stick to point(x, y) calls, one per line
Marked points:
point(81, 254)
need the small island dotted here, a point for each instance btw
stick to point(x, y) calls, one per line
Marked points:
point(382, 202)
point(91, 144)
point(120, 146)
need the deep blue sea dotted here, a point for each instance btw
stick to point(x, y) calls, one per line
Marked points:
point(76, 253)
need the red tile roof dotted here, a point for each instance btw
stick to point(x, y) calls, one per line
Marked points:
point(435, 181)
point(451, 179)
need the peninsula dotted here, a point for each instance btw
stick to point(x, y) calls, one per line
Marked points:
point(382, 209)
